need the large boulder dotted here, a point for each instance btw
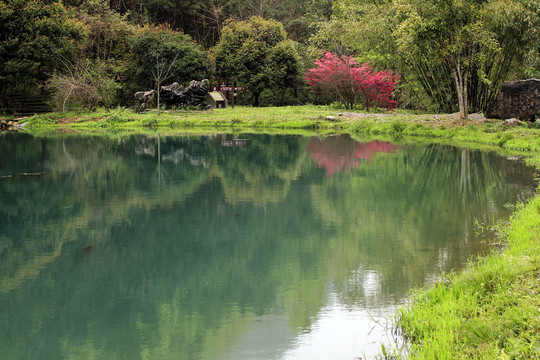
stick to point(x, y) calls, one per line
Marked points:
point(517, 99)
point(175, 95)
point(144, 98)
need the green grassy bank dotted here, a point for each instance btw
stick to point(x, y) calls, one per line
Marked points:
point(293, 119)
point(489, 310)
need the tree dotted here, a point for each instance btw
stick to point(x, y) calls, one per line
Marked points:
point(454, 51)
point(452, 33)
point(173, 52)
point(350, 82)
point(284, 66)
point(33, 36)
point(161, 71)
point(108, 31)
point(256, 54)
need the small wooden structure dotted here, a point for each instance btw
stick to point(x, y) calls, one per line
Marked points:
point(216, 100)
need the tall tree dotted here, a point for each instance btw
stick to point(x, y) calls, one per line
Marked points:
point(172, 51)
point(256, 53)
point(33, 37)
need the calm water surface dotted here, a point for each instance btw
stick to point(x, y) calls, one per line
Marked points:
point(218, 247)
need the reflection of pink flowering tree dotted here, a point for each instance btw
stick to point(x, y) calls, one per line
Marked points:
point(343, 153)
point(352, 83)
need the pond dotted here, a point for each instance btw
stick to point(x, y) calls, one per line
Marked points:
point(231, 247)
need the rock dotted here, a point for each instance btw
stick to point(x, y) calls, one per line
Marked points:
point(175, 95)
point(332, 118)
point(512, 122)
point(144, 98)
point(9, 124)
point(517, 99)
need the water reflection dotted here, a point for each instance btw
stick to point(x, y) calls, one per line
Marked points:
point(341, 153)
point(213, 248)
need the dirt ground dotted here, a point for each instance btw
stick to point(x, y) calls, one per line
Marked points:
point(448, 120)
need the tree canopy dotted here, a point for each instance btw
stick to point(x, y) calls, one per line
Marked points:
point(34, 36)
point(153, 45)
point(256, 54)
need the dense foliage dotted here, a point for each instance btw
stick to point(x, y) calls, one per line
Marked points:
point(204, 19)
point(256, 53)
point(450, 55)
point(34, 37)
point(152, 48)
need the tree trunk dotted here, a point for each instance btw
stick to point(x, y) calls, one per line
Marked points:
point(158, 104)
point(461, 79)
point(256, 99)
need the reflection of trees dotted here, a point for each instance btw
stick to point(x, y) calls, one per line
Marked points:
point(185, 272)
point(88, 182)
point(422, 201)
point(261, 171)
point(95, 192)
point(342, 153)
point(185, 254)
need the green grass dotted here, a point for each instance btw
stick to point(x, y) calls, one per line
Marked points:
point(305, 117)
point(491, 310)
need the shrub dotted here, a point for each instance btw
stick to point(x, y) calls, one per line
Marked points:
point(398, 127)
point(149, 123)
point(86, 84)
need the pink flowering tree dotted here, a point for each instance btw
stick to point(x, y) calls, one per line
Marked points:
point(351, 83)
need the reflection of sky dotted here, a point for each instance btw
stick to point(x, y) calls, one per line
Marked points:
point(340, 332)
point(343, 333)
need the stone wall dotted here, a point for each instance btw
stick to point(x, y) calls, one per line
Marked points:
point(517, 99)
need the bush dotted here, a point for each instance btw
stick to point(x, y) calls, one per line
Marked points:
point(87, 84)
point(150, 123)
point(398, 127)
point(117, 117)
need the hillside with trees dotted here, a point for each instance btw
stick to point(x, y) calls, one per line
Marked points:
point(450, 56)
